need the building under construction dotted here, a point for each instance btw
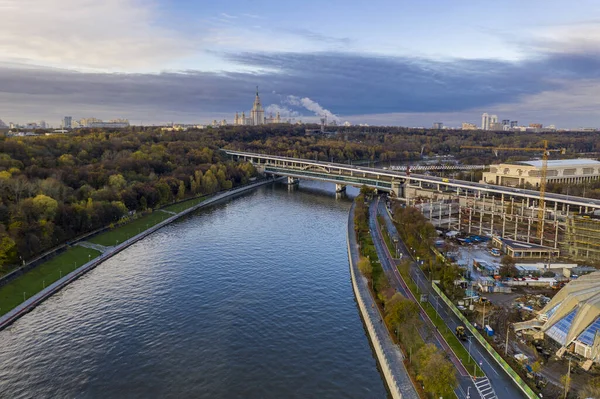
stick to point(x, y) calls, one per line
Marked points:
point(573, 230)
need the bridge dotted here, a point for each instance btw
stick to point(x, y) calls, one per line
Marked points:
point(569, 223)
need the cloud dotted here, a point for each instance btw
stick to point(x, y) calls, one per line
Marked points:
point(553, 87)
point(317, 37)
point(109, 34)
point(284, 112)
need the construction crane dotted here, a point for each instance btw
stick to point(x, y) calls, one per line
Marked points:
point(544, 170)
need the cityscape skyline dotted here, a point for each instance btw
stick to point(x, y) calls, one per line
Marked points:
point(150, 65)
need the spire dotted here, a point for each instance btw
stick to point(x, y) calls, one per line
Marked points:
point(256, 91)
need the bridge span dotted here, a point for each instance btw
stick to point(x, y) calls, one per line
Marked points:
point(569, 224)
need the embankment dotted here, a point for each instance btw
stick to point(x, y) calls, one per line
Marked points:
point(388, 354)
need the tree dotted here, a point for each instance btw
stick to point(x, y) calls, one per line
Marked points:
point(117, 181)
point(45, 206)
point(400, 312)
point(365, 267)
point(181, 191)
point(435, 372)
point(508, 268)
point(536, 367)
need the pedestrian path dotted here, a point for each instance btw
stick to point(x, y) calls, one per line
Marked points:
point(485, 388)
point(165, 211)
point(91, 245)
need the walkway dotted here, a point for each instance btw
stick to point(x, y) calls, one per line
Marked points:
point(392, 353)
point(91, 245)
point(169, 212)
point(502, 384)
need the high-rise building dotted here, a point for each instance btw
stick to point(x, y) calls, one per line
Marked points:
point(485, 121)
point(67, 122)
point(438, 125)
point(257, 114)
point(493, 119)
point(505, 122)
point(514, 124)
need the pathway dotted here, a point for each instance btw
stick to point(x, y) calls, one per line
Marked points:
point(91, 245)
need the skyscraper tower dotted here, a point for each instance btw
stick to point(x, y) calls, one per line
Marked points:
point(485, 121)
point(257, 114)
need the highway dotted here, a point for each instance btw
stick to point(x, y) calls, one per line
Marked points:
point(466, 388)
point(504, 387)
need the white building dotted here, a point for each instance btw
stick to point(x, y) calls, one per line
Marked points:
point(529, 172)
point(257, 115)
point(485, 121)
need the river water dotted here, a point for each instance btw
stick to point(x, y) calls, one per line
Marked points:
point(248, 299)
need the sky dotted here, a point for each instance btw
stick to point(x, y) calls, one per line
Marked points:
point(381, 62)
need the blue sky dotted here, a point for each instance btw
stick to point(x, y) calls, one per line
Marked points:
point(381, 62)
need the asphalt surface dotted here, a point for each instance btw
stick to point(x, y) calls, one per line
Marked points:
point(504, 387)
point(466, 388)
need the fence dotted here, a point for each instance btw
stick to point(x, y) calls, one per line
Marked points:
point(509, 370)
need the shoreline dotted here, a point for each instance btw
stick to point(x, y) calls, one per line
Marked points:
point(31, 303)
point(388, 355)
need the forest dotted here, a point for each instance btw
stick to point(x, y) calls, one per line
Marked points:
point(56, 187)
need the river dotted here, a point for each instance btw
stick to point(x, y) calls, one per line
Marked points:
point(247, 299)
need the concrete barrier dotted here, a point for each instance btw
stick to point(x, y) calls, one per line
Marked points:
point(397, 378)
point(28, 305)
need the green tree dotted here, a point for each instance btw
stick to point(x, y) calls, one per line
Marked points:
point(117, 181)
point(181, 191)
point(45, 206)
point(435, 372)
point(365, 267)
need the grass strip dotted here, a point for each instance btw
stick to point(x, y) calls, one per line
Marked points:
point(133, 228)
point(182, 206)
point(35, 280)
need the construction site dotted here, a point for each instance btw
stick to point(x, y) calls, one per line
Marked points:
point(548, 227)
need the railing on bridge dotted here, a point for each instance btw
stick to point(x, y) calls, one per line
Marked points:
point(351, 180)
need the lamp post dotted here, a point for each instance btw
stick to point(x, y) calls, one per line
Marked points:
point(506, 346)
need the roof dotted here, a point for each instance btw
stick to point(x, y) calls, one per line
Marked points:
point(520, 245)
point(561, 163)
point(574, 312)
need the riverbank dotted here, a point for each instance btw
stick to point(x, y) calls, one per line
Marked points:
point(47, 291)
point(388, 355)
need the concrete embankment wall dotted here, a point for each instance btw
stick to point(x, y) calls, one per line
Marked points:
point(38, 298)
point(388, 355)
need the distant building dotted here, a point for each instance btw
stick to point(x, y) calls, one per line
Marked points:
point(42, 125)
point(2, 124)
point(495, 126)
point(493, 119)
point(505, 122)
point(529, 172)
point(99, 124)
point(67, 122)
point(469, 126)
point(514, 124)
point(438, 125)
point(257, 115)
point(347, 124)
point(485, 121)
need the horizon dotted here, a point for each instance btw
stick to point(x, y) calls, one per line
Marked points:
point(386, 63)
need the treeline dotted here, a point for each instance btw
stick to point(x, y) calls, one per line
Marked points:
point(382, 144)
point(54, 188)
point(419, 235)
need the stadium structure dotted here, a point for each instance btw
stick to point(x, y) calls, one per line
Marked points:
point(572, 319)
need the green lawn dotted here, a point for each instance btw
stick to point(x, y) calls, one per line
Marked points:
point(182, 206)
point(43, 275)
point(126, 231)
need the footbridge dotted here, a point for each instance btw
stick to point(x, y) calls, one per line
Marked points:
point(568, 223)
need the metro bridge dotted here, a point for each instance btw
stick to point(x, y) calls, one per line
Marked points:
point(569, 223)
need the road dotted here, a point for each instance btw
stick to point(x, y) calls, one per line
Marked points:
point(503, 385)
point(427, 331)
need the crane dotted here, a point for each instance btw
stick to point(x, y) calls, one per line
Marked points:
point(544, 170)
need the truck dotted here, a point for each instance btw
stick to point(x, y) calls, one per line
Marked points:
point(460, 333)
